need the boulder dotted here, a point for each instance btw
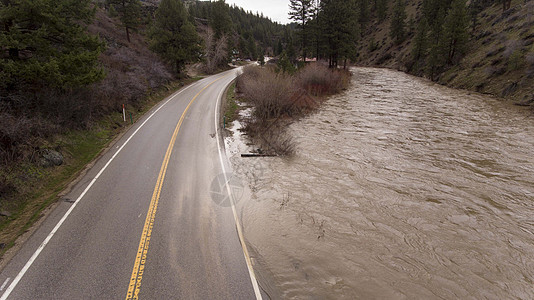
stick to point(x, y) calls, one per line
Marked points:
point(50, 158)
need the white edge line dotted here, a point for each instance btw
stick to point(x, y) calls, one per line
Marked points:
point(236, 219)
point(4, 284)
point(53, 232)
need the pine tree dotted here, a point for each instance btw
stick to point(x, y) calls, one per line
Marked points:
point(129, 12)
point(46, 44)
point(340, 29)
point(251, 48)
point(420, 45)
point(475, 7)
point(455, 29)
point(301, 11)
point(315, 28)
point(436, 57)
point(285, 65)
point(173, 37)
point(397, 27)
point(381, 9)
point(365, 13)
point(220, 19)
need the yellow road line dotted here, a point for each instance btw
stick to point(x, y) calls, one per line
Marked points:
point(140, 260)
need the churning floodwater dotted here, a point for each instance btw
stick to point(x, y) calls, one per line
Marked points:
point(400, 189)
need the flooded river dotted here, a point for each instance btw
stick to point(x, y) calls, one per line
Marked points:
point(400, 189)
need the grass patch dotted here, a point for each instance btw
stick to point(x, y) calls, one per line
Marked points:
point(231, 108)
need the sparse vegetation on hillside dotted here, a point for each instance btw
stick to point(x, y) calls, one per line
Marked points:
point(247, 34)
point(456, 42)
point(485, 46)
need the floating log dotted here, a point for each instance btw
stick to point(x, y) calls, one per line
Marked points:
point(257, 155)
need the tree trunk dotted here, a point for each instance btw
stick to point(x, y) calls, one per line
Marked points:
point(506, 5)
point(128, 34)
point(317, 49)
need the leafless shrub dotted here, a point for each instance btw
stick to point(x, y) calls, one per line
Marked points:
point(269, 92)
point(512, 46)
point(216, 50)
point(278, 97)
point(271, 136)
point(319, 80)
point(18, 133)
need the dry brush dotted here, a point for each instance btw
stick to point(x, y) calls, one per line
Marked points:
point(279, 98)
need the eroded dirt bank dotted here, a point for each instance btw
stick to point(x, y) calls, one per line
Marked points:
point(400, 188)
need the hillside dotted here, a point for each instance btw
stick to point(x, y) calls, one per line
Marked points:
point(249, 34)
point(500, 51)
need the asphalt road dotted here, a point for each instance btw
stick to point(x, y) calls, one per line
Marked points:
point(142, 222)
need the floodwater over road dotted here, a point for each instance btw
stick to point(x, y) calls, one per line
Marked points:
point(400, 189)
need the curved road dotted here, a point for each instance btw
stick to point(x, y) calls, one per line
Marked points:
point(141, 223)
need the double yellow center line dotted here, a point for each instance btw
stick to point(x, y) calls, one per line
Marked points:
point(140, 260)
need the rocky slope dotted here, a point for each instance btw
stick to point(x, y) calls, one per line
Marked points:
point(500, 59)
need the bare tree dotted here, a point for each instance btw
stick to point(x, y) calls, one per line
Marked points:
point(216, 50)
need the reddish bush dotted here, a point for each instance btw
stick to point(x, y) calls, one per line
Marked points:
point(277, 97)
point(319, 80)
point(269, 92)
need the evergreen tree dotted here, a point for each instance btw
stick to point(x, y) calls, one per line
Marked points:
point(420, 46)
point(173, 37)
point(251, 48)
point(291, 52)
point(220, 19)
point(381, 9)
point(397, 27)
point(475, 7)
point(301, 11)
point(129, 12)
point(455, 31)
point(243, 24)
point(261, 58)
point(316, 28)
point(339, 21)
point(436, 57)
point(46, 44)
point(279, 48)
point(285, 65)
point(365, 13)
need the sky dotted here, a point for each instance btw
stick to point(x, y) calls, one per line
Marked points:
point(276, 10)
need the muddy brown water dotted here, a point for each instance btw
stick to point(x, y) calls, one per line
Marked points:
point(400, 189)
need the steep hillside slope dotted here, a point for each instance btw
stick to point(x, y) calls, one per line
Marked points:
point(499, 58)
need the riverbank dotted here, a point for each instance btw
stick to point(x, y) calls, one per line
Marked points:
point(399, 188)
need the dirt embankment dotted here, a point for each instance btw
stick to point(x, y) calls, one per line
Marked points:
point(499, 60)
